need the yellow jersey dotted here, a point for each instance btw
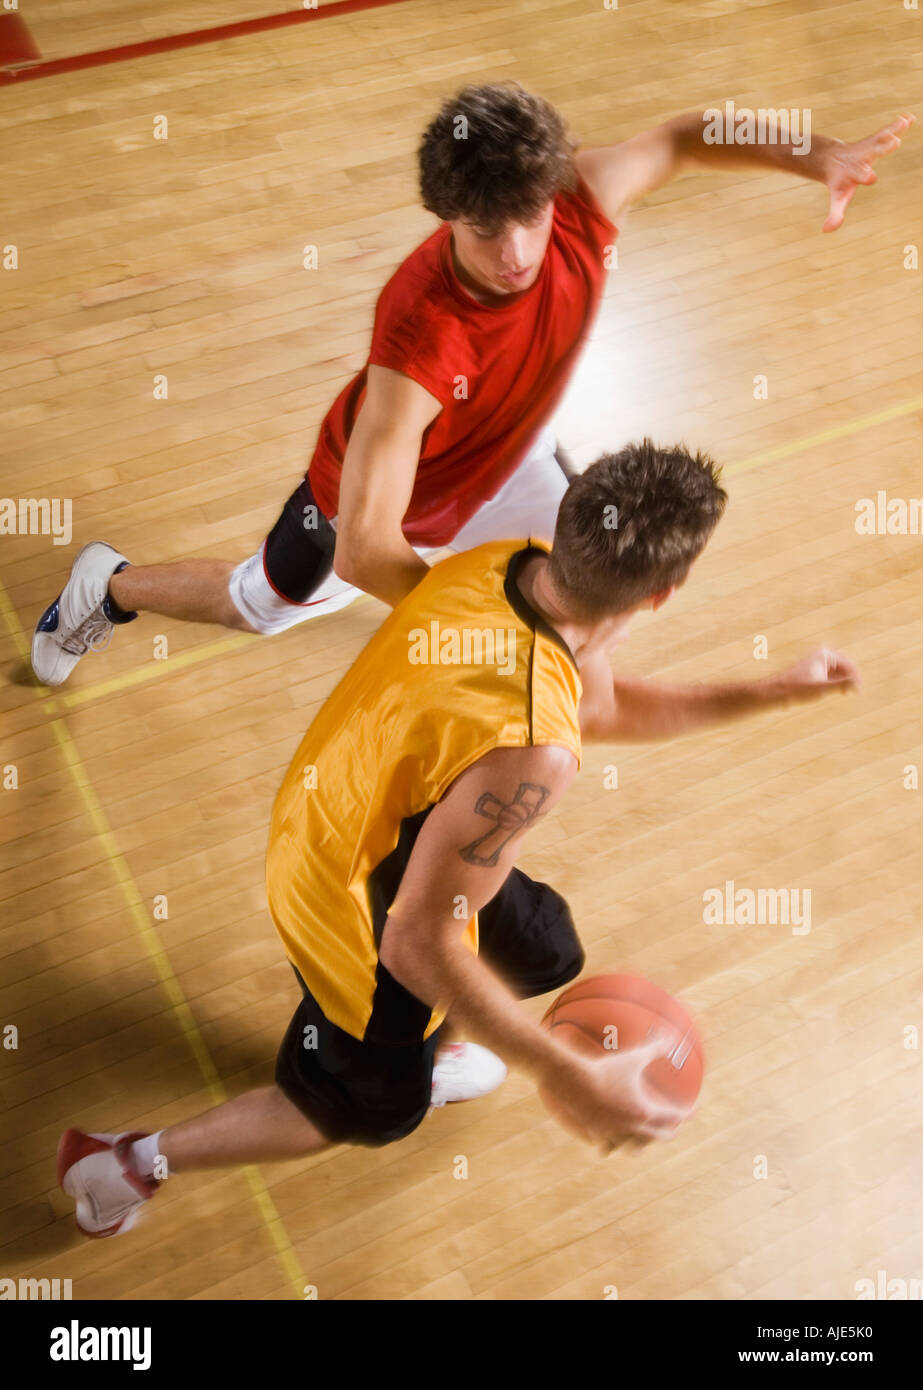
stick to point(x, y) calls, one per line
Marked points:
point(463, 665)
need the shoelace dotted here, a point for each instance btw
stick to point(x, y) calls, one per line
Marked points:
point(93, 635)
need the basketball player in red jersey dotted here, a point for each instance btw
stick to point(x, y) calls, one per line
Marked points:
point(443, 439)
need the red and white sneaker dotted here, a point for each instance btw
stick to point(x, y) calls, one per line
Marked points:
point(465, 1071)
point(96, 1170)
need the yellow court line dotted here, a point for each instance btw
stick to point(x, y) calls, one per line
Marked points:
point(153, 669)
point(862, 422)
point(154, 947)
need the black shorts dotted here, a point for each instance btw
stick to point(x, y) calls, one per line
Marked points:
point(371, 1093)
point(299, 549)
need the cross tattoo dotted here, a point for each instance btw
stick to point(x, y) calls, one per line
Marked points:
point(509, 817)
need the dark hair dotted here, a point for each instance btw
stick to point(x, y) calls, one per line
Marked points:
point(631, 525)
point(493, 155)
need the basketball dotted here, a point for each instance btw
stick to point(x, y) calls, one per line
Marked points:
point(609, 1013)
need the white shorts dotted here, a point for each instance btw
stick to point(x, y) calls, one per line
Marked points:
point(526, 505)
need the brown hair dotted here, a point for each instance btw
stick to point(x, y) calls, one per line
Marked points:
point(493, 155)
point(631, 525)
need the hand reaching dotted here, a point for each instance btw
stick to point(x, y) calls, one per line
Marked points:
point(819, 672)
point(846, 166)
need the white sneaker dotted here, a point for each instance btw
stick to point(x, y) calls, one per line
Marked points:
point(81, 618)
point(465, 1071)
point(96, 1170)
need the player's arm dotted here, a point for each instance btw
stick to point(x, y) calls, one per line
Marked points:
point(620, 709)
point(465, 850)
point(621, 174)
point(379, 469)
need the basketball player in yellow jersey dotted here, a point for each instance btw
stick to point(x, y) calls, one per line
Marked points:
point(390, 869)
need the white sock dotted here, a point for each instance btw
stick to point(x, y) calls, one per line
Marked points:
point(144, 1153)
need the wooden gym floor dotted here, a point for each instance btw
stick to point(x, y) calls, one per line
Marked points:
point(144, 777)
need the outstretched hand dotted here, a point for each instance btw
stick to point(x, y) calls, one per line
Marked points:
point(846, 166)
point(822, 670)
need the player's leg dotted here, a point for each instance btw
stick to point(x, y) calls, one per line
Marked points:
point(330, 1088)
point(193, 591)
point(111, 1176)
point(288, 580)
point(260, 1126)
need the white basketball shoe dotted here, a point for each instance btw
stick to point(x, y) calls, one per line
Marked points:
point(97, 1171)
point(465, 1071)
point(82, 617)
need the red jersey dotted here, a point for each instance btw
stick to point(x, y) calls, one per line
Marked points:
point(498, 369)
